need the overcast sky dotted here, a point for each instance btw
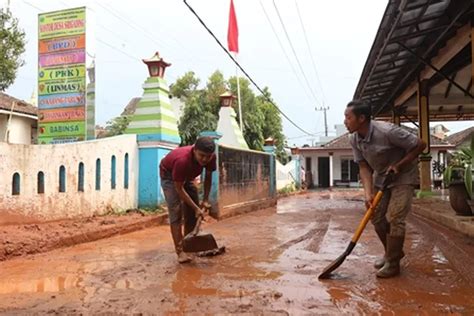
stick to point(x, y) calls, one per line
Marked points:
point(340, 34)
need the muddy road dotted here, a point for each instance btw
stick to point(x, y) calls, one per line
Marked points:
point(271, 265)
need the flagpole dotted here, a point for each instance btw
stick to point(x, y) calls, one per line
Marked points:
point(238, 95)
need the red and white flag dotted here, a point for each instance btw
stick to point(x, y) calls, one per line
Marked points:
point(233, 31)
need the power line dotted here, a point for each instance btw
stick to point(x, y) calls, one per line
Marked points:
point(136, 59)
point(294, 53)
point(284, 51)
point(305, 135)
point(31, 5)
point(243, 71)
point(118, 50)
point(309, 51)
point(145, 32)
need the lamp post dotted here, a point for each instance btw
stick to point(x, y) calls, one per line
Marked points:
point(156, 65)
point(227, 99)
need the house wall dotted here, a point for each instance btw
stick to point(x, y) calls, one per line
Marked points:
point(20, 129)
point(337, 157)
point(29, 160)
point(285, 174)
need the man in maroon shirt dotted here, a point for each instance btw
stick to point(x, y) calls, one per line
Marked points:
point(177, 171)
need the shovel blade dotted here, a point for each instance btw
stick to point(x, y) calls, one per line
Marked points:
point(199, 243)
point(336, 263)
point(326, 274)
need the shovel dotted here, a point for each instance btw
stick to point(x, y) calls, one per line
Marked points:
point(195, 242)
point(326, 274)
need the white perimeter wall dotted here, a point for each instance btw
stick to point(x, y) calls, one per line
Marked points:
point(29, 160)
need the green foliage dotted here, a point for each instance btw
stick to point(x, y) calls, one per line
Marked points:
point(197, 117)
point(252, 114)
point(289, 188)
point(272, 125)
point(460, 167)
point(201, 111)
point(12, 45)
point(185, 86)
point(117, 125)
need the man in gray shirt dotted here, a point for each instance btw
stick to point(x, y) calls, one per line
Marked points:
point(380, 148)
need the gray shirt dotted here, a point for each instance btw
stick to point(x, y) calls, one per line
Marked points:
point(386, 144)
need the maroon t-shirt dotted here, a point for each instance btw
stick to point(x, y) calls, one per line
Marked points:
point(180, 165)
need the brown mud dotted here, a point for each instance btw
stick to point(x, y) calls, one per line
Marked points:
point(20, 236)
point(271, 264)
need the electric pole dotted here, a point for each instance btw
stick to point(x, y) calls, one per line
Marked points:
point(324, 109)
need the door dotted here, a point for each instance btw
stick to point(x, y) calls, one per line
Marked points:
point(323, 172)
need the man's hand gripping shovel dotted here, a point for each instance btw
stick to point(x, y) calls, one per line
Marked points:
point(198, 242)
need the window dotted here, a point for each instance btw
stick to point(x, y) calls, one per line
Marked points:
point(16, 184)
point(40, 182)
point(349, 170)
point(113, 177)
point(62, 179)
point(125, 176)
point(345, 170)
point(97, 174)
point(80, 183)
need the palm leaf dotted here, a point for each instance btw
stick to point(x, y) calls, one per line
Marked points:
point(468, 180)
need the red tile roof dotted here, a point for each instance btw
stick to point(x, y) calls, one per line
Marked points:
point(342, 142)
point(20, 107)
point(460, 137)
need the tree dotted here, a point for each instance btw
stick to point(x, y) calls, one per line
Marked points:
point(252, 115)
point(216, 85)
point(201, 111)
point(197, 117)
point(12, 45)
point(272, 124)
point(185, 86)
point(117, 125)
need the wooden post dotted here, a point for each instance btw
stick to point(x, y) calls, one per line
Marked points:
point(395, 118)
point(424, 133)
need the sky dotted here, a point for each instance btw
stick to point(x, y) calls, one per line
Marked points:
point(331, 41)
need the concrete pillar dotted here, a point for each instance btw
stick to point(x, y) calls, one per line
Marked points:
point(214, 194)
point(90, 103)
point(227, 125)
point(331, 170)
point(295, 155)
point(156, 127)
point(424, 133)
point(269, 147)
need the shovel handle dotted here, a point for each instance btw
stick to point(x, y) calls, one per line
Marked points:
point(367, 216)
point(195, 231)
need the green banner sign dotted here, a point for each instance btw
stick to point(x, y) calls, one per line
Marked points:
point(61, 86)
point(62, 73)
point(62, 129)
point(62, 23)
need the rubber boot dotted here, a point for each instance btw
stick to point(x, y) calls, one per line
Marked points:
point(177, 234)
point(382, 231)
point(394, 253)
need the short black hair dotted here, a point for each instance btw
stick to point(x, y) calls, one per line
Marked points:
point(360, 107)
point(205, 144)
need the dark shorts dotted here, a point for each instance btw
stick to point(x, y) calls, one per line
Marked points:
point(177, 209)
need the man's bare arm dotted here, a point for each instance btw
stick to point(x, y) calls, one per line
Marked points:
point(365, 172)
point(184, 196)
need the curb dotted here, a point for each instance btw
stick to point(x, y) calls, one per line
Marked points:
point(461, 224)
